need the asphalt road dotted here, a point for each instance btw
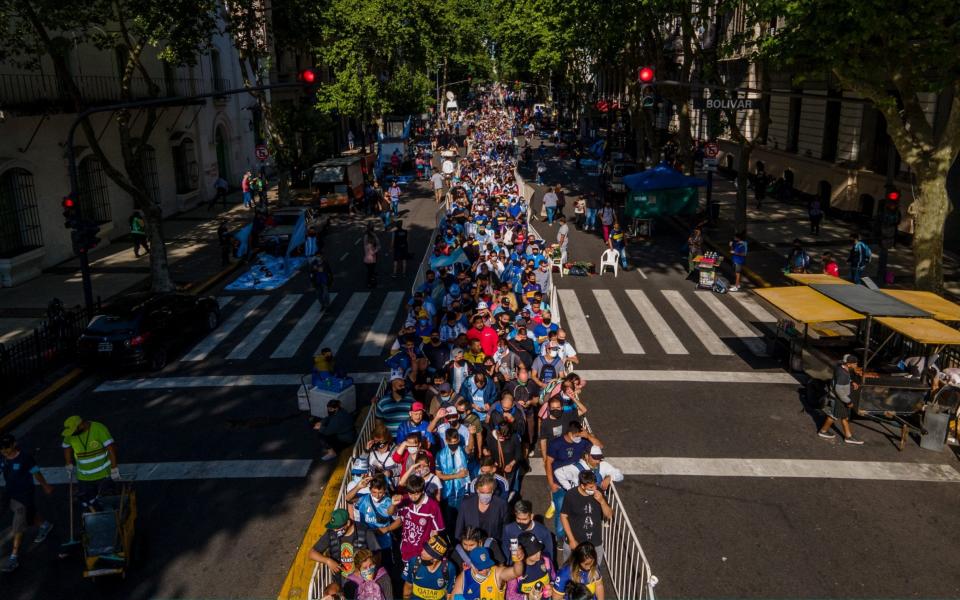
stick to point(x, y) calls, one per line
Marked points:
point(707, 531)
point(226, 534)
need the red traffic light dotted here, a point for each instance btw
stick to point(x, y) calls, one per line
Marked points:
point(893, 195)
point(645, 75)
point(308, 76)
point(69, 202)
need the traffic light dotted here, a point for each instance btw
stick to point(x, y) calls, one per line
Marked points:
point(647, 77)
point(71, 217)
point(893, 194)
point(85, 237)
point(310, 79)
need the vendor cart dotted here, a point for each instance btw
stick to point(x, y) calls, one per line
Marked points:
point(107, 535)
point(708, 267)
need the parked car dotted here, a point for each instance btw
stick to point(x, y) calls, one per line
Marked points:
point(619, 170)
point(144, 329)
point(282, 223)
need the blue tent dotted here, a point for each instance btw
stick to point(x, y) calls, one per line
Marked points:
point(660, 177)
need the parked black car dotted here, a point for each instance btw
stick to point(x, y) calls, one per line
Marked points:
point(145, 328)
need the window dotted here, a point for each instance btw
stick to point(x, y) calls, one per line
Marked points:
point(793, 122)
point(19, 219)
point(169, 79)
point(148, 162)
point(216, 71)
point(122, 56)
point(94, 193)
point(831, 126)
point(185, 166)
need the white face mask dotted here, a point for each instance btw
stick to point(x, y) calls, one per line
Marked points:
point(577, 439)
point(485, 498)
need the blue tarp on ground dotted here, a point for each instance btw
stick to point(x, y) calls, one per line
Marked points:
point(660, 177)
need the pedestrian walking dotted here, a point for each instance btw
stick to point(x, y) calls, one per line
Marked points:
point(563, 239)
point(694, 247)
point(220, 189)
point(582, 514)
point(579, 213)
point(138, 231)
point(839, 404)
point(858, 258)
point(246, 189)
point(541, 169)
point(815, 212)
point(394, 192)
point(593, 207)
point(225, 241)
point(830, 266)
point(437, 180)
point(350, 140)
point(371, 249)
point(321, 278)
point(21, 475)
point(760, 187)
point(607, 217)
point(401, 250)
point(90, 452)
point(339, 545)
point(798, 261)
point(738, 250)
point(550, 202)
point(561, 199)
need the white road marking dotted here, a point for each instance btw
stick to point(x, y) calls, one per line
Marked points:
point(244, 349)
point(356, 241)
point(577, 323)
point(687, 376)
point(341, 327)
point(629, 344)
point(654, 320)
point(225, 300)
point(212, 469)
point(217, 381)
point(655, 466)
point(290, 344)
point(209, 343)
point(696, 323)
point(345, 255)
point(750, 337)
point(642, 274)
point(753, 307)
point(380, 332)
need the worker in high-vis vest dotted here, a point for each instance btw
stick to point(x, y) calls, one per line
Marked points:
point(88, 449)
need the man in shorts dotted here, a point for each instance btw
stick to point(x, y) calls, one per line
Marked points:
point(840, 389)
point(19, 472)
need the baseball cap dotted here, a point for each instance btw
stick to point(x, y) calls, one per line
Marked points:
point(529, 542)
point(437, 546)
point(596, 451)
point(70, 425)
point(849, 358)
point(480, 558)
point(396, 374)
point(416, 406)
point(482, 305)
point(338, 519)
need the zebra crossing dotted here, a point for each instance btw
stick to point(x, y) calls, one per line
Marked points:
point(671, 322)
point(631, 322)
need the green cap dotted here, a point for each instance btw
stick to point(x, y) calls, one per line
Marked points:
point(70, 425)
point(338, 519)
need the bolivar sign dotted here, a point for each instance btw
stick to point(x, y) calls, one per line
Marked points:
point(726, 103)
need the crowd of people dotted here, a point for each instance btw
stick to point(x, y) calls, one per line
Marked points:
point(481, 380)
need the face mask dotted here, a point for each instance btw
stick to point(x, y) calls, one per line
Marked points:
point(546, 321)
point(590, 491)
point(553, 353)
point(556, 412)
point(577, 439)
point(340, 532)
point(368, 573)
point(485, 498)
point(453, 447)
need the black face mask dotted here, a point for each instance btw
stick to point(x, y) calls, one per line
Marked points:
point(453, 447)
point(555, 413)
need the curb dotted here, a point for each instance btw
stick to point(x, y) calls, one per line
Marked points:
point(21, 412)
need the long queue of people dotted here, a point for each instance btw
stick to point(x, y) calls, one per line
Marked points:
point(481, 379)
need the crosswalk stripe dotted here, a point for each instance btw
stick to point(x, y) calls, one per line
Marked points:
point(225, 300)
point(629, 344)
point(203, 470)
point(753, 307)
point(290, 344)
point(207, 344)
point(713, 344)
point(341, 327)
point(655, 321)
point(244, 349)
point(379, 334)
point(577, 323)
point(749, 337)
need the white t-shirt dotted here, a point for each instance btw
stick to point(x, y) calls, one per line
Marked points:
point(563, 236)
point(437, 180)
point(550, 200)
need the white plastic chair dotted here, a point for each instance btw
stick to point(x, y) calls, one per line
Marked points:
point(557, 263)
point(610, 258)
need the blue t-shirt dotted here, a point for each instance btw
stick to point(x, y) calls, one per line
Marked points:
point(374, 515)
point(739, 252)
point(566, 453)
point(417, 574)
point(18, 474)
point(564, 576)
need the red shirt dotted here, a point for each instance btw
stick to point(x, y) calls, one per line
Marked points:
point(831, 268)
point(489, 340)
point(419, 523)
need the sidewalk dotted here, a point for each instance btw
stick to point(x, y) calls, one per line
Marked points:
point(772, 229)
point(192, 251)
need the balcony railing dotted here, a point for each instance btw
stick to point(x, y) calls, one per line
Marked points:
point(38, 92)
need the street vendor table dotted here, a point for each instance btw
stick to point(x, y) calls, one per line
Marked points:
point(707, 267)
point(812, 278)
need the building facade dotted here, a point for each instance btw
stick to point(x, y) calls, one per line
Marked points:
point(189, 148)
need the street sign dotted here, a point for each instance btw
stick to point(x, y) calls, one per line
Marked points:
point(711, 150)
point(710, 163)
point(726, 103)
point(261, 152)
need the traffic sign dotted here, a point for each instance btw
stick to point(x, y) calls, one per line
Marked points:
point(710, 163)
point(261, 152)
point(711, 150)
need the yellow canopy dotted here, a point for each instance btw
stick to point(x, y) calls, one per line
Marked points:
point(806, 305)
point(941, 308)
point(924, 331)
point(812, 278)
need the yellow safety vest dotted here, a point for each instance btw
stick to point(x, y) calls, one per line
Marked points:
point(90, 452)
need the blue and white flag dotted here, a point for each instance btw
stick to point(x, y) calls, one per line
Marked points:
point(243, 236)
point(299, 234)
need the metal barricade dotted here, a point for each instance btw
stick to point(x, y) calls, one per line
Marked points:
point(625, 562)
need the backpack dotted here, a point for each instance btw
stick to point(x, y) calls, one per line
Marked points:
point(721, 285)
point(865, 252)
point(369, 589)
point(359, 540)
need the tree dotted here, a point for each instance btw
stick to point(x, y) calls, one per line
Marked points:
point(896, 54)
point(173, 29)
